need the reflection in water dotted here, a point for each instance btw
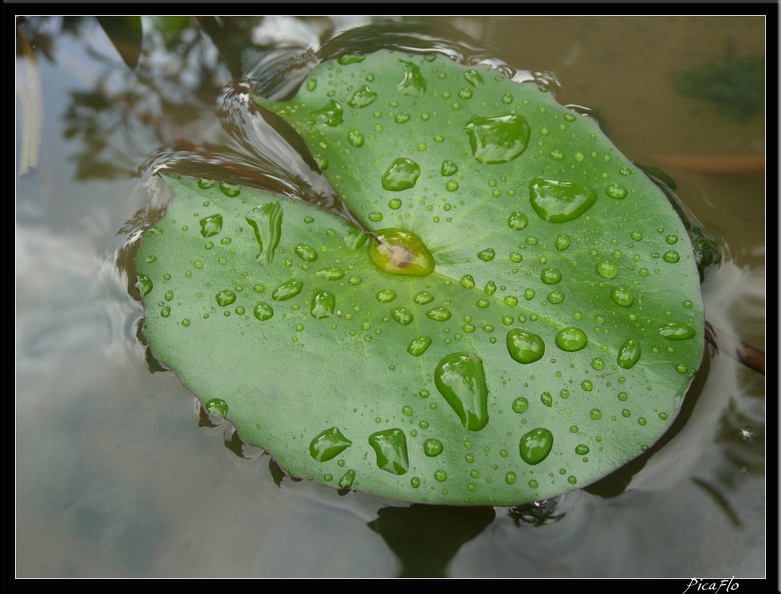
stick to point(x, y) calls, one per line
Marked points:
point(426, 538)
point(536, 513)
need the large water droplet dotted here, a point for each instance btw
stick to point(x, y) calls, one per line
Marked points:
point(144, 284)
point(536, 445)
point(498, 139)
point(432, 447)
point(328, 444)
point(607, 269)
point(401, 252)
point(571, 339)
point(550, 276)
point(517, 221)
point(676, 331)
point(524, 346)
point(331, 114)
point(622, 297)
point(467, 281)
point(402, 174)
point(390, 447)
point(362, 97)
point(225, 298)
point(448, 168)
point(520, 405)
point(211, 225)
point(413, 82)
point(460, 379)
point(486, 255)
point(323, 304)
point(560, 201)
point(266, 222)
point(629, 353)
point(386, 295)
point(217, 407)
point(438, 314)
point(287, 290)
point(423, 298)
point(306, 253)
point(402, 315)
point(347, 480)
point(263, 311)
point(418, 346)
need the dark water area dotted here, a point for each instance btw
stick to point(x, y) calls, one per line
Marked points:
point(119, 472)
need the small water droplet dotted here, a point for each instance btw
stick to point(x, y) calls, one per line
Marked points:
point(486, 255)
point(498, 139)
point(616, 191)
point(571, 339)
point(217, 407)
point(460, 379)
point(671, 257)
point(546, 399)
point(535, 446)
point(524, 346)
point(520, 405)
point(581, 449)
point(440, 475)
point(423, 298)
point(595, 414)
point(562, 242)
point(328, 444)
point(418, 346)
point(555, 297)
point(517, 221)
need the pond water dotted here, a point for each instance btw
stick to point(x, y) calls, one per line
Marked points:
point(118, 470)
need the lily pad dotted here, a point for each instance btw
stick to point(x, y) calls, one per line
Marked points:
point(519, 316)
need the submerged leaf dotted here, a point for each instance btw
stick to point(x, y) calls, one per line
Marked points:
point(529, 355)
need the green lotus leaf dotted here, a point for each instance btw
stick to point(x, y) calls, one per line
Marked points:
point(519, 316)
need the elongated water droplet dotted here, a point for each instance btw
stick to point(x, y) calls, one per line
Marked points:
point(423, 298)
point(439, 314)
point(418, 346)
point(524, 346)
point(676, 331)
point(390, 447)
point(629, 353)
point(402, 174)
point(498, 139)
point(144, 284)
point(347, 480)
point(571, 339)
point(323, 304)
point(362, 97)
point(330, 273)
point(328, 444)
point(211, 225)
point(266, 222)
point(287, 290)
point(560, 201)
point(486, 255)
point(401, 252)
point(386, 295)
point(306, 253)
point(536, 445)
point(460, 379)
point(402, 315)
